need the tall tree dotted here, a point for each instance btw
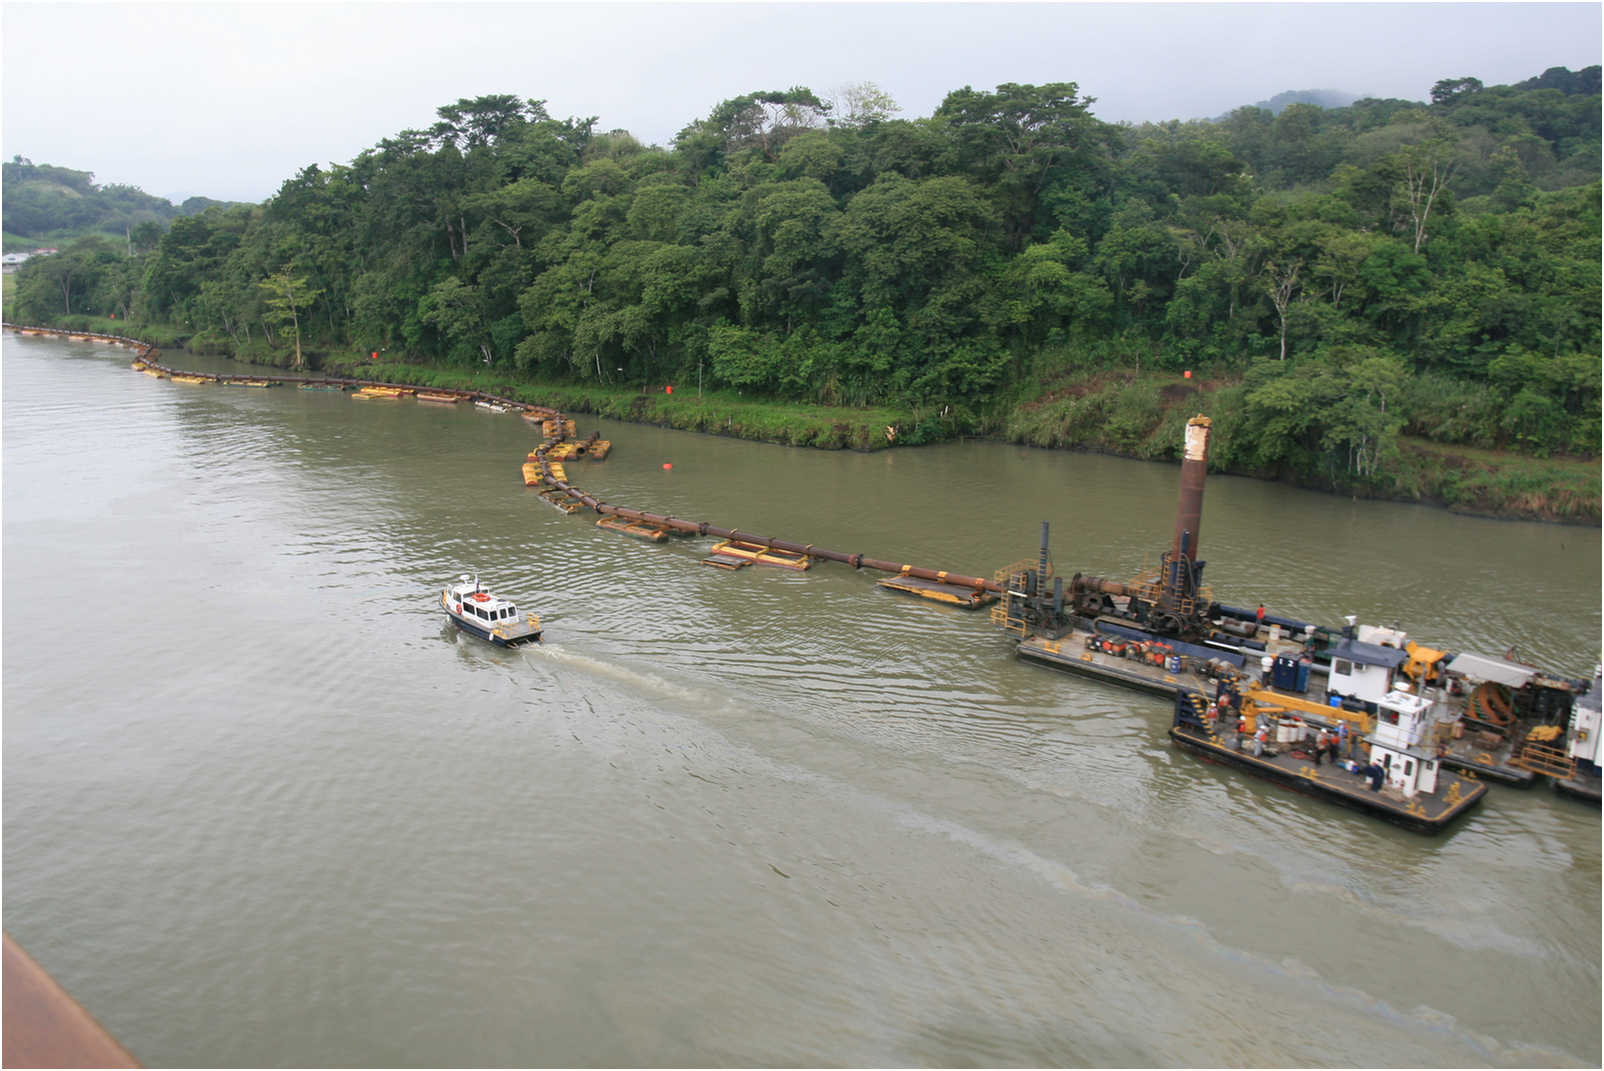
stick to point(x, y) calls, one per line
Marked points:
point(1021, 138)
point(289, 296)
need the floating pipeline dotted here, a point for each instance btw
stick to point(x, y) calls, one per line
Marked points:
point(146, 354)
point(737, 537)
point(939, 584)
point(143, 349)
point(543, 467)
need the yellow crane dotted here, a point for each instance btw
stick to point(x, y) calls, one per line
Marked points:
point(1259, 701)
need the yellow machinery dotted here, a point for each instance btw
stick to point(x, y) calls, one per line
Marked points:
point(1257, 701)
point(1425, 665)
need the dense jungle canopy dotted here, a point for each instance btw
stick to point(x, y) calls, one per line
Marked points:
point(1351, 274)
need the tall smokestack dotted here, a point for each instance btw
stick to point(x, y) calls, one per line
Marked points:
point(1194, 467)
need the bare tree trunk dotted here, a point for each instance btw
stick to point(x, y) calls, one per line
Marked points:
point(1283, 285)
point(1423, 186)
point(510, 230)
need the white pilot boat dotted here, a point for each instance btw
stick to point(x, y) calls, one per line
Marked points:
point(474, 610)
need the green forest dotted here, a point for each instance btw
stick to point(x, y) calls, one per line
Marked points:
point(46, 203)
point(1371, 299)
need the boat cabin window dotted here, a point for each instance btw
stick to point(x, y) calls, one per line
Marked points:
point(1409, 767)
point(1341, 667)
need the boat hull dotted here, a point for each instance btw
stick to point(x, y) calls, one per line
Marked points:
point(490, 637)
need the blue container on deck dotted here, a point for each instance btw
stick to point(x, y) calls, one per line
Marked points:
point(1173, 663)
point(1290, 674)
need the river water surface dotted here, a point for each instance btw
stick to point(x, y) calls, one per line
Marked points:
point(262, 806)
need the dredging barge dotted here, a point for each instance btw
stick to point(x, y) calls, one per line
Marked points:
point(1163, 632)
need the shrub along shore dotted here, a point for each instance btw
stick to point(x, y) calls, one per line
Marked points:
point(1131, 414)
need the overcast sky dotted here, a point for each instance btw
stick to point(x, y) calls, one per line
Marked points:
point(229, 100)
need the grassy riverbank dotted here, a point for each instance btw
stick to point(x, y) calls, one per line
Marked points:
point(1143, 416)
point(1123, 413)
point(714, 412)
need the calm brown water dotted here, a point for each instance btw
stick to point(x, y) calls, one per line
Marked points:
point(263, 807)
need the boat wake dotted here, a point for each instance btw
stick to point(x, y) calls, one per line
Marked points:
point(651, 683)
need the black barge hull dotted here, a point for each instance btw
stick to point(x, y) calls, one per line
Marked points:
point(1422, 815)
point(1073, 658)
point(1584, 786)
point(1504, 775)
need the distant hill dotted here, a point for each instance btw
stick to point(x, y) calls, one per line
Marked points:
point(1584, 82)
point(45, 201)
point(1325, 98)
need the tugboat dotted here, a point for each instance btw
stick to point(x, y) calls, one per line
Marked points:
point(474, 610)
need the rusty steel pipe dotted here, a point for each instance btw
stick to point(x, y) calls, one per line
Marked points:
point(1101, 586)
point(1194, 468)
point(703, 528)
